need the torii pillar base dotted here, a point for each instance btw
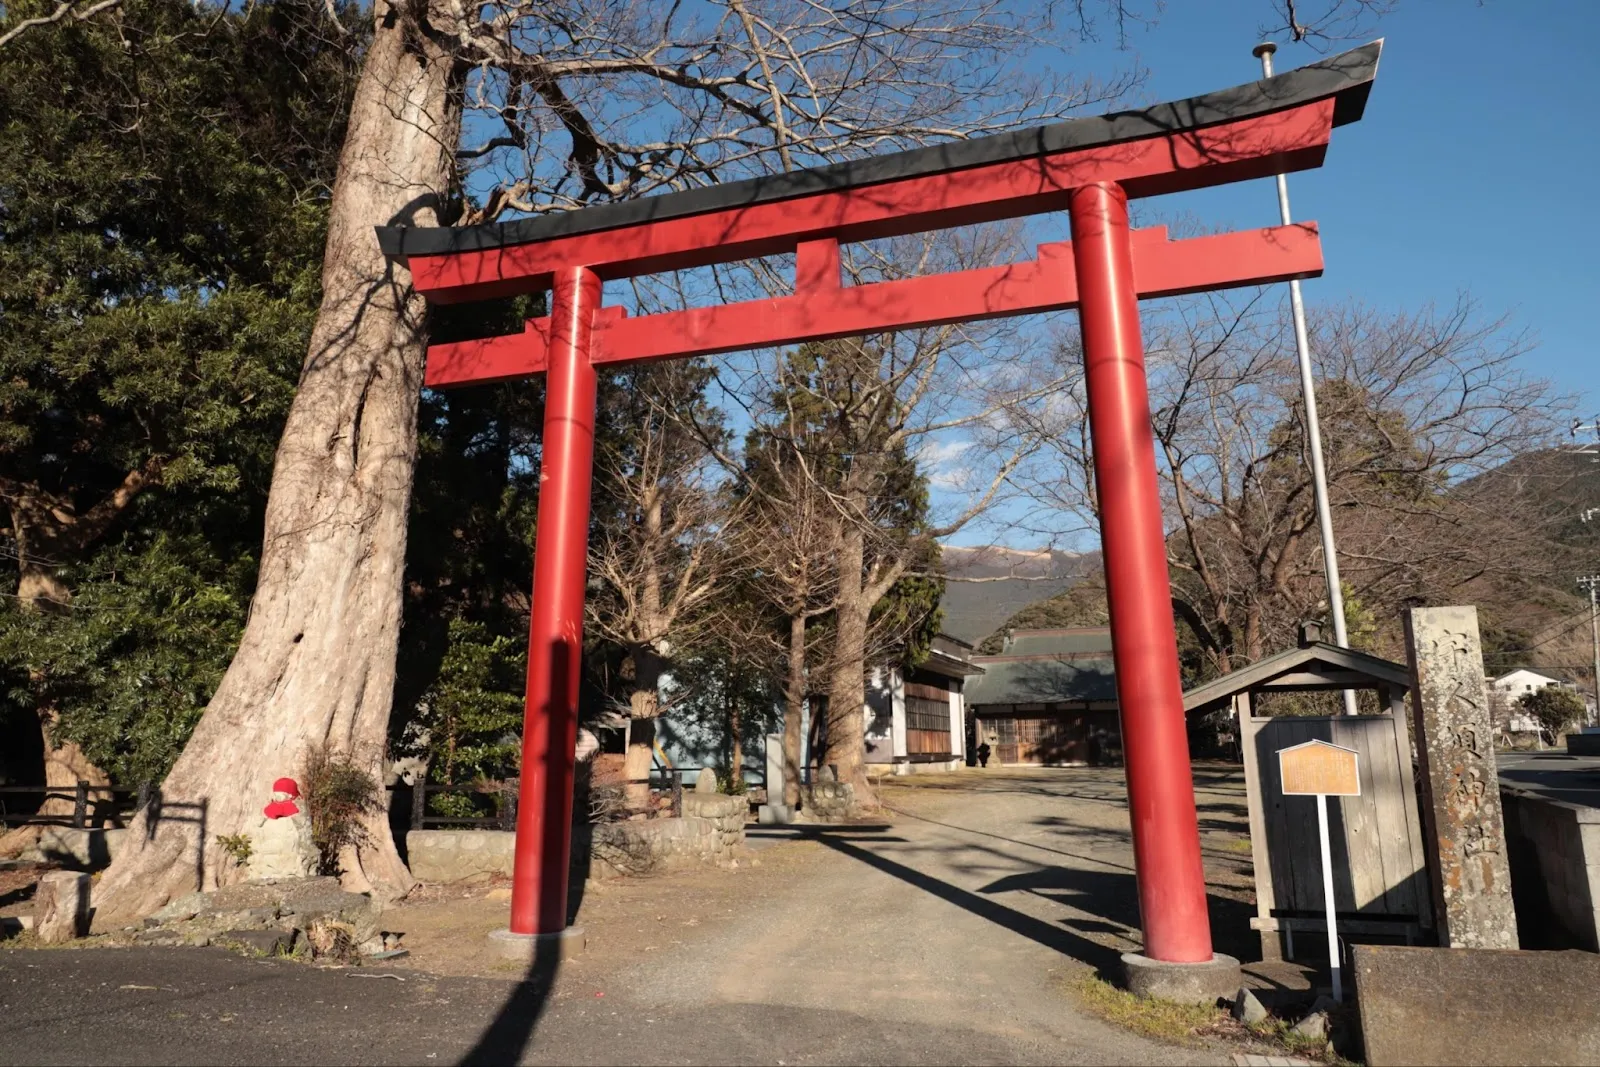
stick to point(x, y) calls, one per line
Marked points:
point(1182, 983)
point(539, 948)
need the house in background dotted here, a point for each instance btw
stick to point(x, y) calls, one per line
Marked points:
point(916, 722)
point(1048, 698)
point(1506, 690)
point(1524, 680)
point(913, 722)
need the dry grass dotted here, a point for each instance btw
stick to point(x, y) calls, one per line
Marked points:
point(1178, 1024)
point(1192, 1025)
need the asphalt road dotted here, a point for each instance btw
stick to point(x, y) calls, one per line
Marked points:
point(1554, 774)
point(946, 938)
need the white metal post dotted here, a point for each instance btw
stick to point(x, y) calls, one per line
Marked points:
point(1327, 893)
point(1319, 474)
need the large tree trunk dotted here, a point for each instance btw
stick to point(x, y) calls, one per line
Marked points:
point(794, 706)
point(847, 693)
point(317, 660)
point(735, 741)
point(644, 706)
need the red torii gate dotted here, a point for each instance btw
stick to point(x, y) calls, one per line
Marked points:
point(1090, 168)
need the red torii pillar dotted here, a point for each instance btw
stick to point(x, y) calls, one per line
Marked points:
point(1089, 167)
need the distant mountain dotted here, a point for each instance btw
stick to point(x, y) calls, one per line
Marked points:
point(1016, 578)
point(1539, 618)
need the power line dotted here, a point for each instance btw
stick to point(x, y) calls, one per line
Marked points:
point(1582, 616)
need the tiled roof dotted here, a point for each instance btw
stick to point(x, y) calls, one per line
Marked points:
point(1042, 680)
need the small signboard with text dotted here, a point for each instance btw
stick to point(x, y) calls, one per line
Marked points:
point(1316, 767)
point(1322, 770)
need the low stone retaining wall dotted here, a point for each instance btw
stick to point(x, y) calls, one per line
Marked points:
point(711, 829)
point(1554, 851)
point(87, 850)
point(828, 801)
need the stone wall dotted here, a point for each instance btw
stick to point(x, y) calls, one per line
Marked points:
point(711, 830)
point(88, 850)
point(1555, 868)
point(828, 801)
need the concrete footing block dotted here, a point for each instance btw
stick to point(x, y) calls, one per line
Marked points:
point(775, 815)
point(1205, 983)
point(526, 948)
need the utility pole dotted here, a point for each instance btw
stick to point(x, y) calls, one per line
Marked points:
point(1319, 474)
point(1592, 583)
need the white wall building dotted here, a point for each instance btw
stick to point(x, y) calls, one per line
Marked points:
point(1522, 681)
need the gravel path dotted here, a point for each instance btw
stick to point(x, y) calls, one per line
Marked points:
point(949, 936)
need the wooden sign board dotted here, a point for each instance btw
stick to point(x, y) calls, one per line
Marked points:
point(1317, 767)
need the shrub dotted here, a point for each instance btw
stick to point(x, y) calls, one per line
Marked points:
point(1555, 708)
point(340, 794)
point(237, 846)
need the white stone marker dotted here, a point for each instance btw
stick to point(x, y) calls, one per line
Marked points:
point(61, 907)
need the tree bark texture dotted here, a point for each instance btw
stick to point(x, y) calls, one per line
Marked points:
point(847, 695)
point(794, 706)
point(316, 663)
point(644, 705)
point(735, 742)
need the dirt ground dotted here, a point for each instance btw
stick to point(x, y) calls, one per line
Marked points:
point(446, 927)
point(954, 929)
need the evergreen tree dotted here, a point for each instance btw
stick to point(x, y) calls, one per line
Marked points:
point(163, 182)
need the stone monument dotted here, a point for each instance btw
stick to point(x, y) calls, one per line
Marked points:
point(1465, 841)
point(775, 812)
point(281, 844)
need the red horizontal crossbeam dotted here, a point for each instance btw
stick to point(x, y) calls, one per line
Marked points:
point(1259, 146)
point(822, 308)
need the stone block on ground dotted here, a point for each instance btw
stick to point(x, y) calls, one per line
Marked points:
point(184, 907)
point(1477, 1006)
point(312, 903)
point(260, 942)
point(706, 781)
point(1248, 1009)
point(775, 815)
point(1314, 1027)
point(61, 907)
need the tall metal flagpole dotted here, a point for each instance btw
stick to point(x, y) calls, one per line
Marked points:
point(1319, 475)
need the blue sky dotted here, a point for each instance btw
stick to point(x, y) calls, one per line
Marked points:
point(1473, 169)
